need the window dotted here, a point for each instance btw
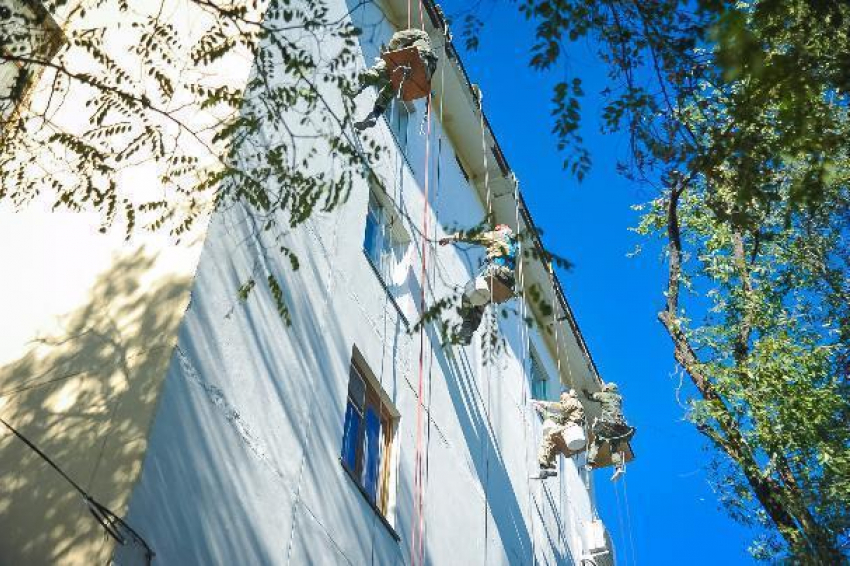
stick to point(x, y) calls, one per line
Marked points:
point(385, 241)
point(375, 241)
point(399, 120)
point(367, 437)
point(538, 377)
point(26, 32)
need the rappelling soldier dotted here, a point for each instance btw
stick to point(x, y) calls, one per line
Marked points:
point(563, 430)
point(380, 75)
point(610, 427)
point(494, 282)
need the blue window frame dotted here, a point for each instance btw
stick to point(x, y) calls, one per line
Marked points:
point(371, 453)
point(385, 243)
point(539, 378)
point(353, 423)
point(366, 439)
point(376, 240)
point(399, 121)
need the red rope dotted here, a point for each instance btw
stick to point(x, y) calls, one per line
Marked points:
point(417, 535)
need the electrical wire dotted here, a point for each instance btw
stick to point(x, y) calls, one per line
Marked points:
point(111, 523)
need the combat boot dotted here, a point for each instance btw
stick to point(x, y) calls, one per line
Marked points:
point(371, 119)
point(618, 471)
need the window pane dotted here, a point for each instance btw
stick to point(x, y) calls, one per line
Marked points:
point(367, 438)
point(356, 388)
point(383, 485)
point(371, 453)
point(378, 240)
point(372, 238)
point(351, 435)
point(538, 377)
point(399, 119)
point(538, 389)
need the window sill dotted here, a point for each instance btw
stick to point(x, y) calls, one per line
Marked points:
point(374, 507)
point(387, 290)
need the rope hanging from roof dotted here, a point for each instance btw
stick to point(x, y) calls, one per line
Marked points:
point(417, 539)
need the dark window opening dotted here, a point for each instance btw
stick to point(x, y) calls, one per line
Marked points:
point(539, 378)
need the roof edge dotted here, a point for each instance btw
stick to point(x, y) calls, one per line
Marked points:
point(438, 21)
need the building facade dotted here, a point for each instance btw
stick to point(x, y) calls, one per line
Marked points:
point(222, 435)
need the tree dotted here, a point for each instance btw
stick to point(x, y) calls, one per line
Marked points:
point(767, 355)
point(737, 116)
point(122, 83)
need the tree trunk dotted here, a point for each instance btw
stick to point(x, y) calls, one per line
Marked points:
point(809, 541)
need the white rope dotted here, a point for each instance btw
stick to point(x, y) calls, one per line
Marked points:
point(432, 285)
point(524, 348)
point(587, 425)
point(620, 521)
point(629, 517)
point(557, 348)
point(487, 410)
point(555, 306)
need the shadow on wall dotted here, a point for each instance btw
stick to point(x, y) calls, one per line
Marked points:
point(85, 396)
point(486, 455)
point(242, 465)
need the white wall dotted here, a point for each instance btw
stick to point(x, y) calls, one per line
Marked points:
point(242, 465)
point(89, 320)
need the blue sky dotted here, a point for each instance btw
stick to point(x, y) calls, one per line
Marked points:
point(674, 514)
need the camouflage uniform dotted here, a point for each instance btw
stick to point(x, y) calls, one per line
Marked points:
point(611, 426)
point(500, 263)
point(379, 77)
point(566, 412)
